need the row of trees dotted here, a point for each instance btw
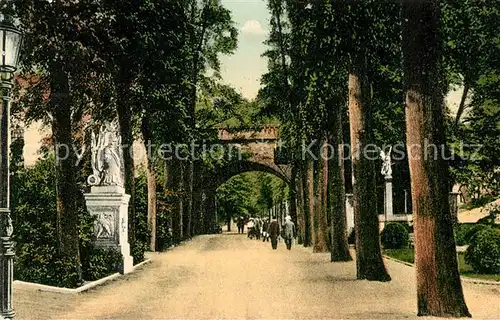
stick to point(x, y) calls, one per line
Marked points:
point(341, 72)
point(144, 62)
point(250, 194)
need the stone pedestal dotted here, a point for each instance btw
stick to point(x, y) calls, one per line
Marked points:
point(349, 211)
point(402, 218)
point(388, 208)
point(110, 206)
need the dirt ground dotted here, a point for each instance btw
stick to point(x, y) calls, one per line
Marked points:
point(231, 277)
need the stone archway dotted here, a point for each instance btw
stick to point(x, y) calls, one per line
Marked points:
point(259, 148)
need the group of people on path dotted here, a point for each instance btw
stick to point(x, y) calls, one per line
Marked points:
point(270, 230)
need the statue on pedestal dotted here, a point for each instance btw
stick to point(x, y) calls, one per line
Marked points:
point(107, 200)
point(107, 159)
point(387, 164)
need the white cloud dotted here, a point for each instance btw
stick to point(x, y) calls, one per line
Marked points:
point(253, 27)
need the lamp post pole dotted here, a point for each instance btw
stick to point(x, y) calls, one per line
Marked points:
point(10, 43)
point(6, 244)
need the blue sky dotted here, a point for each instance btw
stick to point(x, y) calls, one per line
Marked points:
point(244, 68)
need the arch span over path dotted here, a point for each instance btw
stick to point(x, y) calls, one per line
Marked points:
point(259, 146)
point(237, 167)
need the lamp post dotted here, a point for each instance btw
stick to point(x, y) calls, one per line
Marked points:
point(10, 43)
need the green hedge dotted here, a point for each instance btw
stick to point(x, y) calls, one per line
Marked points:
point(163, 215)
point(394, 236)
point(101, 263)
point(483, 254)
point(466, 231)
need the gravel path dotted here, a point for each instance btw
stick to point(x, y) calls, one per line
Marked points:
point(229, 276)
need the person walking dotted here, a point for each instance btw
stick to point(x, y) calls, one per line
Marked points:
point(265, 226)
point(273, 232)
point(250, 226)
point(289, 232)
point(241, 224)
point(257, 227)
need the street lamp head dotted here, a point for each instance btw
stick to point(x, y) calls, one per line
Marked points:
point(10, 47)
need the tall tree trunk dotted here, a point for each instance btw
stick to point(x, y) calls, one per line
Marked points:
point(177, 182)
point(311, 200)
point(147, 136)
point(320, 240)
point(228, 221)
point(300, 207)
point(195, 227)
point(325, 230)
point(439, 290)
point(339, 250)
point(209, 218)
point(293, 195)
point(188, 198)
point(152, 205)
point(66, 188)
point(124, 112)
point(369, 261)
point(169, 189)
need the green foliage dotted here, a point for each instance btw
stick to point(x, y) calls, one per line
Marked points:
point(483, 254)
point(405, 254)
point(408, 255)
point(164, 239)
point(469, 30)
point(235, 197)
point(163, 215)
point(101, 263)
point(251, 194)
point(142, 233)
point(34, 218)
point(466, 231)
point(394, 236)
point(149, 56)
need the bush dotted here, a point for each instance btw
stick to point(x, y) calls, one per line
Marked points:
point(101, 263)
point(394, 236)
point(164, 238)
point(466, 231)
point(137, 249)
point(35, 235)
point(483, 254)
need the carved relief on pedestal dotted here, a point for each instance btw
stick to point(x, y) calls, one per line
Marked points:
point(106, 224)
point(104, 227)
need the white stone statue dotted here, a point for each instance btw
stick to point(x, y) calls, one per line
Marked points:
point(107, 158)
point(386, 165)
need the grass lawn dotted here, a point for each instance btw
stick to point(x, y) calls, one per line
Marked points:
point(407, 255)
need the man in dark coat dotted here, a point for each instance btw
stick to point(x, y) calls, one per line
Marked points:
point(274, 232)
point(265, 226)
point(240, 224)
point(257, 227)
